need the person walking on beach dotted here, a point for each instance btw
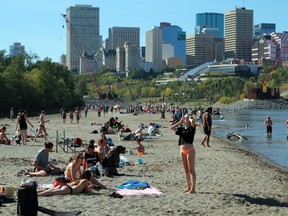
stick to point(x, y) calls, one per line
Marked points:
point(207, 125)
point(78, 115)
point(42, 128)
point(64, 115)
point(187, 150)
point(268, 123)
point(11, 113)
point(21, 121)
point(71, 116)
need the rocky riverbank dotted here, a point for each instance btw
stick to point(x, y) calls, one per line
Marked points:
point(255, 104)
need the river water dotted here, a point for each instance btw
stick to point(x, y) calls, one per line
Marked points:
point(274, 148)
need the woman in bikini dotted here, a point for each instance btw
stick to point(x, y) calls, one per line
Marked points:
point(187, 150)
point(84, 185)
point(73, 172)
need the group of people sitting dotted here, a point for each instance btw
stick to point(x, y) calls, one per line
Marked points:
point(78, 179)
point(153, 130)
point(94, 162)
point(112, 126)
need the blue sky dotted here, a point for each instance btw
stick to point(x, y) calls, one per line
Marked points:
point(38, 24)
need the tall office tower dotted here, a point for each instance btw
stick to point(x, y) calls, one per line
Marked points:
point(132, 60)
point(119, 35)
point(154, 48)
point(203, 48)
point(82, 34)
point(63, 59)
point(174, 35)
point(264, 28)
point(120, 59)
point(142, 53)
point(210, 23)
point(16, 49)
point(239, 34)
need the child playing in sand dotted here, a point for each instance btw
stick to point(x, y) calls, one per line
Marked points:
point(140, 148)
point(3, 137)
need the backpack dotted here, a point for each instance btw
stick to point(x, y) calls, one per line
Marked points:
point(27, 201)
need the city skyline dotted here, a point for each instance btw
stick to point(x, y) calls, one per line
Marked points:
point(42, 29)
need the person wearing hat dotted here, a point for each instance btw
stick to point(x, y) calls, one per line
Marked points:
point(21, 121)
point(268, 123)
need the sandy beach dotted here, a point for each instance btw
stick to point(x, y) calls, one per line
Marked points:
point(230, 180)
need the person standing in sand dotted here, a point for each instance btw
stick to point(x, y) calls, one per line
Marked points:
point(42, 128)
point(187, 150)
point(21, 121)
point(207, 125)
point(11, 113)
point(78, 115)
point(268, 123)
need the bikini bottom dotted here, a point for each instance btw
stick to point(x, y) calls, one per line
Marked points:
point(186, 151)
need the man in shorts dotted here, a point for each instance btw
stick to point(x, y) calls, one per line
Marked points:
point(41, 164)
point(207, 125)
point(268, 123)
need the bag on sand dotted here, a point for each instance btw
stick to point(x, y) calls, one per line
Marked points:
point(27, 201)
point(7, 190)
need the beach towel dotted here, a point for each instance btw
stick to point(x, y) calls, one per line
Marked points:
point(146, 191)
point(133, 184)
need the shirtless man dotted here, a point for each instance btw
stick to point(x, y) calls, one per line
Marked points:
point(42, 129)
point(3, 137)
point(268, 123)
point(207, 124)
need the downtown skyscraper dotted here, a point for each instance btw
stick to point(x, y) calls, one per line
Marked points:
point(210, 24)
point(239, 34)
point(82, 34)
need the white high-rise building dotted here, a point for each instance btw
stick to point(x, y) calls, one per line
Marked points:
point(132, 60)
point(82, 34)
point(239, 34)
point(154, 48)
point(16, 49)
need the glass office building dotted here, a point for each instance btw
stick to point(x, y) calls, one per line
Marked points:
point(210, 23)
point(264, 29)
point(174, 35)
